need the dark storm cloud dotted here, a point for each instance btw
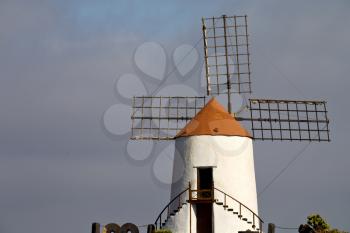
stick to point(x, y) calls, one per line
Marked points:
point(58, 64)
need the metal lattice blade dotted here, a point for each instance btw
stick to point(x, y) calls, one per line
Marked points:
point(226, 51)
point(293, 120)
point(160, 117)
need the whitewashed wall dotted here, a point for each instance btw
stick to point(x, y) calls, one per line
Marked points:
point(233, 173)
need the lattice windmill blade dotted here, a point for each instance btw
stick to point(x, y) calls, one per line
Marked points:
point(227, 63)
point(162, 117)
point(226, 54)
point(293, 120)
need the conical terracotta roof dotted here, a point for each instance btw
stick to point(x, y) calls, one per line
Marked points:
point(213, 119)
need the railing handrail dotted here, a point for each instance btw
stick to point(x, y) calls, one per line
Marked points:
point(200, 190)
point(159, 218)
point(195, 194)
point(172, 200)
point(240, 203)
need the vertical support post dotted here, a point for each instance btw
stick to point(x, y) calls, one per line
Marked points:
point(271, 228)
point(251, 117)
point(168, 115)
point(240, 211)
point(132, 116)
point(150, 228)
point(150, 121)
point(142, 103)
point(248, 56)
point(159, 115)
point(237, 55)
point(186, 108)
point(318, 127)
point(95, 228)
point(205, 44)
point(253, 221)
point(261, 123)
point(327, 123)
point(190, 217)
point(177, 113)
point(279, 119)
point(160, 221)
point(227, 67)
point(216, 58)
point(195, 106)
point(297, 110)
point(307, 119)
point(271, 131)
point(289, 125)
point(225, 201)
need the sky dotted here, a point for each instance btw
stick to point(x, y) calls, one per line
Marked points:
point(65, 157)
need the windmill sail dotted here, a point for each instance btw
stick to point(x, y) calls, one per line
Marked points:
point(160, 117)
point(226, 51)
point(227, 66)
point(293, 120)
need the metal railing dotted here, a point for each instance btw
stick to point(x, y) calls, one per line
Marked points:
point(254, 220)
point(243, 212)
point(178, 201)
point(201, 195)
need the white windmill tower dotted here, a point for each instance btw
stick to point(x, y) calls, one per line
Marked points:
point(216, 192)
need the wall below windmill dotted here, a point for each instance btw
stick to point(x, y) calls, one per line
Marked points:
point(231, 158)
point(233, 172)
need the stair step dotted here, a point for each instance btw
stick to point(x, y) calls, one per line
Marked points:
point(244, 219)
point(219, 203)
point(249, 222)
point(229, 209)
point(172, 214)
point(235, 212)
point(240, 216)
point(253, 226)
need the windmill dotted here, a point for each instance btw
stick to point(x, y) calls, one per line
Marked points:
point(214, 153)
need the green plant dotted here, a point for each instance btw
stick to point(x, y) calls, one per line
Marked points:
point(316, 224)
point(163, 231)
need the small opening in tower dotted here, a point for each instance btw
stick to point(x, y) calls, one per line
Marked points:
point(205, 178)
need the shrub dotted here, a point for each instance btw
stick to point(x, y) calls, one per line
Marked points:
point(163, 231)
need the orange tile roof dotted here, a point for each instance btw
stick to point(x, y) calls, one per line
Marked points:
point(213, 119)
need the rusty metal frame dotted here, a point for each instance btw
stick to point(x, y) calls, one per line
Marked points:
point(293, 120)
point(162, 117)
point(226, 53)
